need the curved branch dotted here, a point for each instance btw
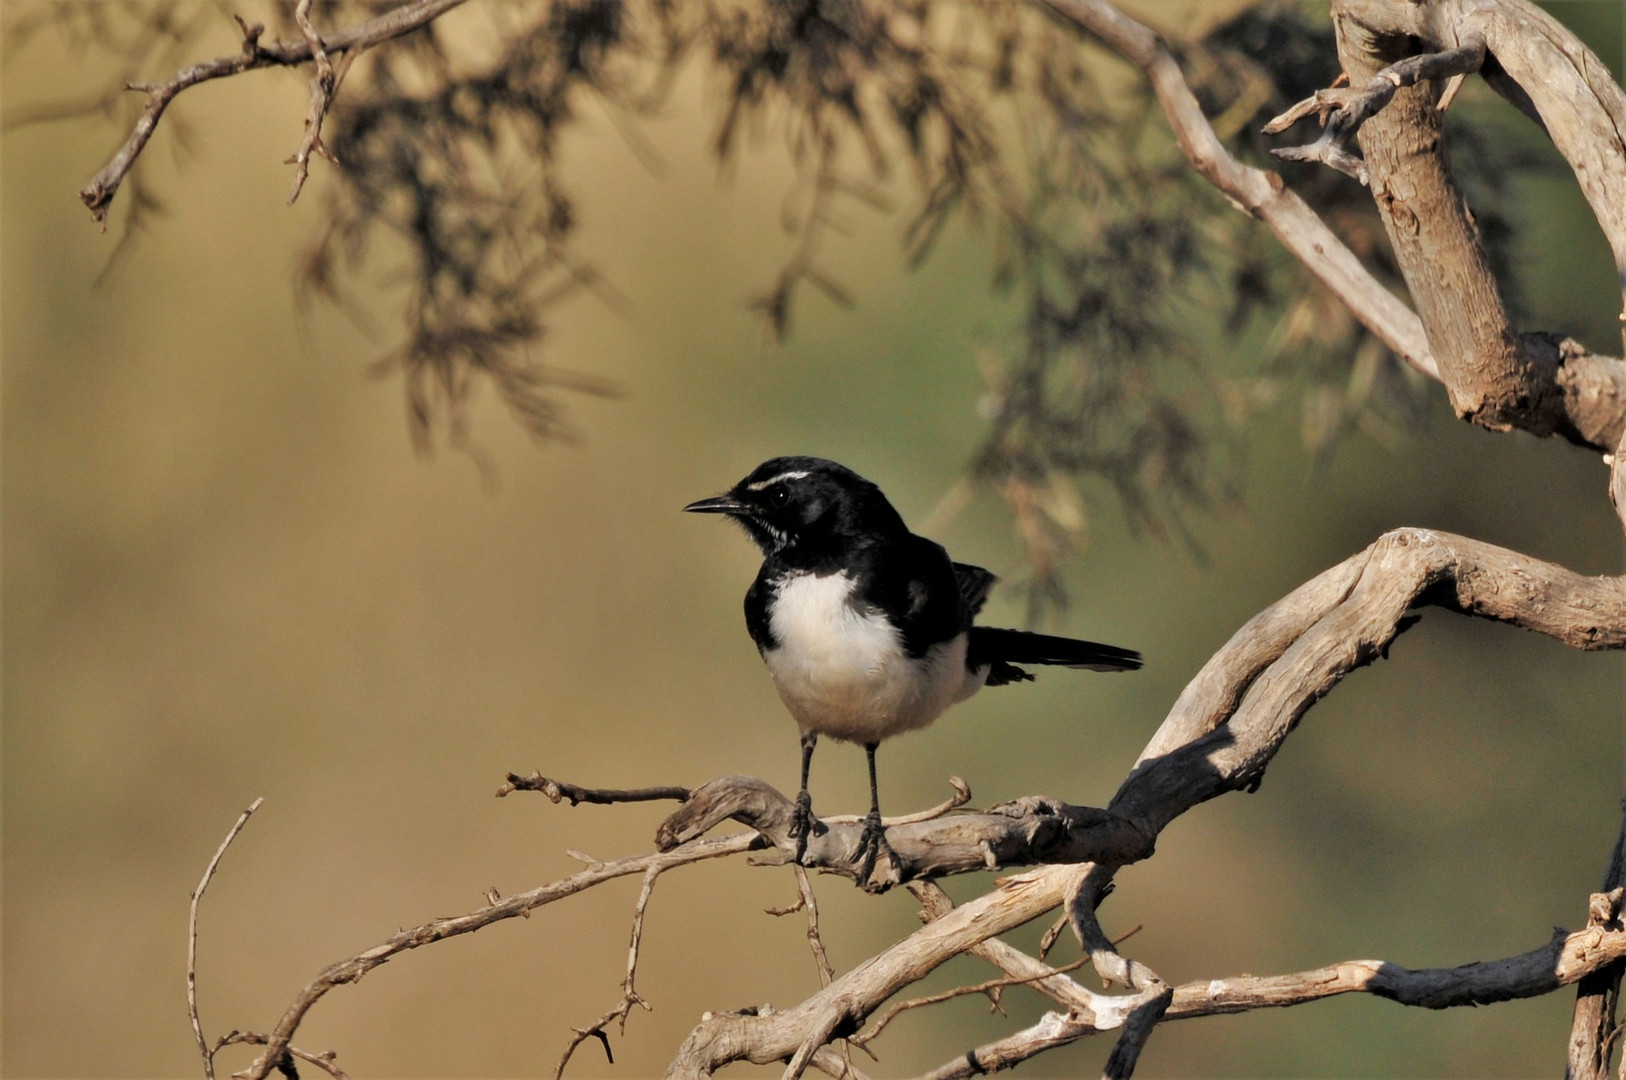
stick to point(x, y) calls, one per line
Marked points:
point(1255, 191)
point(1344, 619)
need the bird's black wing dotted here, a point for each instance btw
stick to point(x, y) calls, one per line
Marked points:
point(1001, 650)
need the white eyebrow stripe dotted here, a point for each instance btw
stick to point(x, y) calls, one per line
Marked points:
point(770, 482)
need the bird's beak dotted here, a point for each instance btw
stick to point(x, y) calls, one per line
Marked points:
point(722, 504)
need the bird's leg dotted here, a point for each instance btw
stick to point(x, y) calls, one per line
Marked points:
point(873, 839)
point(802, 822)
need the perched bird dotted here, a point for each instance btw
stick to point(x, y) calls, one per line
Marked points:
point(865, 627)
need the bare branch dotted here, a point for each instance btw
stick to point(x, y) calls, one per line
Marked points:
point(98, 194)
point(557, 790)
point(1565, 960)
point(324, 87)
point(1355, 107)
point(1495, 376)
point(1021, 833)
point(351, 970)
point(1597, 996)
point(1297, 650)
point(1048, 981)
point(324, 1061)
point(815, 943)
point(1255, 191)
point(629, 993)
point(192, 938)
point(1542, 68)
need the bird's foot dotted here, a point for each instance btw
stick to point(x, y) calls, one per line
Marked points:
point(803, 824)
point(871, 845)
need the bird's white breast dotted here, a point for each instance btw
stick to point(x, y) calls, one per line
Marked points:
point(842, 669)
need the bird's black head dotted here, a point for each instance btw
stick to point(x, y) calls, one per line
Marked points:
point(805, 505)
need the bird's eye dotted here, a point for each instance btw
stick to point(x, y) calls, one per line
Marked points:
point(779, 496)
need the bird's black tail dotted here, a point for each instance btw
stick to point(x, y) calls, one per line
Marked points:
point(1002, 649)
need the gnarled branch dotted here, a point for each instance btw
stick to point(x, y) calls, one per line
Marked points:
point(1255, 191)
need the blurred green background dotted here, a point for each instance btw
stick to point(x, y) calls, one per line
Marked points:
point(226, 575)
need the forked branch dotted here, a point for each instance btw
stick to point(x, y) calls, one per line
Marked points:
point(98, 194)
point(1255, 191)
point(1343, 111)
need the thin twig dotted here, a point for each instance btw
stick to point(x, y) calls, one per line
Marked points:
point(961, 796)
point(629, 994)
point(1260, 193)
point(192, 939)
point(324, 1061)
point(806, 901)
point(324, 87)
point(877, 1026)
point(558, 790)
point(1048, 942)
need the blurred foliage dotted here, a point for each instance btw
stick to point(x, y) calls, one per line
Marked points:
point(1122, 262)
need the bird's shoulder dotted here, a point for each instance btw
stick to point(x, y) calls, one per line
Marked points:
point(759, 600)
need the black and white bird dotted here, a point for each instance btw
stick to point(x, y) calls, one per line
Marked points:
point(865, 627)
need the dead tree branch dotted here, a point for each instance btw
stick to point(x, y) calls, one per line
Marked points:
point(324, 1061)
point(1541, 67)
point(1460, 333)
point(1255, 191)
point(1565, 960)
point(324, 87)
point(98, 194)
point(1597, 996)
point(1344, 111)
point(806, 901)
point(1496, 376)
point(557, 790)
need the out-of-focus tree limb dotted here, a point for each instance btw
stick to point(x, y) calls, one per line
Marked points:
point(99, 192)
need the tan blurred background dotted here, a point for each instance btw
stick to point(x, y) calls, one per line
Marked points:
point(226, 575)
